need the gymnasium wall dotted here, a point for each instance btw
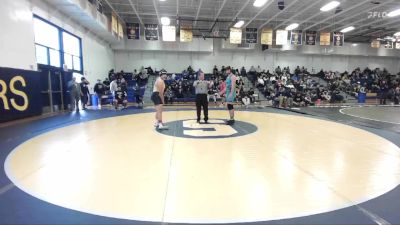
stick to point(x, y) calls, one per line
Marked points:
point(17, 38)
point(98, 57)
point(174, 61)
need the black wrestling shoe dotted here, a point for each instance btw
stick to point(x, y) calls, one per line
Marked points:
point(230, 122)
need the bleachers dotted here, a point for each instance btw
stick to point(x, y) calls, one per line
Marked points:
point(131, 89)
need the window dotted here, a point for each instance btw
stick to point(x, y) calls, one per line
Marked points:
point(41, 55)
point(56, 47)
point(72, 51)
point(46, 34)
point(68, 60)
point(55, 58)
point(71, 44)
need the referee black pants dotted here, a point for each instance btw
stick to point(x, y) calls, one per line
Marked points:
point(201, 101)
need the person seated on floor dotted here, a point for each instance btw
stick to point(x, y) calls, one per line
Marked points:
point(120, 98)
point(246, 100)
point(326, 96)
point(251, 95)
point(336, 96)
point(298, 100)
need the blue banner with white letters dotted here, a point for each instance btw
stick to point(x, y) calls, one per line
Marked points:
point(19, 94)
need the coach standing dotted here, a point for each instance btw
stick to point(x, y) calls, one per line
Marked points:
point(201, 86)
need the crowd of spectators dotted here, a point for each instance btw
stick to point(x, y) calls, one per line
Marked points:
point(377, 81)
point(284, 87)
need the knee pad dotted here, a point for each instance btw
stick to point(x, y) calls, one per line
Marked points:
point(230, 106)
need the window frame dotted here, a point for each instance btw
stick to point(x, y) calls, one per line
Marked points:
point(61, 47)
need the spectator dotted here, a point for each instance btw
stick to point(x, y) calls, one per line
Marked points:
point(246, 100)
point(75, 93)
point(106, 82)
point(383, 91)
point(120, 98)
point(111, 75)
point(243, 72)
point(169, 96)
point(99, 90)
point(298, 100)
point(215, 71)
point(84, 93)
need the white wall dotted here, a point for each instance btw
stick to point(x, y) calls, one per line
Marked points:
point(98, 57)
point(16, 38)
point(177, 61)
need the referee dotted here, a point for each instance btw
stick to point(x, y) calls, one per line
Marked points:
point(201, 86)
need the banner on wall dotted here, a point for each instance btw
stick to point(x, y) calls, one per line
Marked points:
point(325, 39)
point(133, 31)
point(251, 35)
point(19, 94)
point(186, 35)
point(389, 45)
point(397, 45)
point(235, 36)
point(311, 37)
point(281, 37)
point(151, 32)
point(296, 37)
point(120, 31)
point(169, 33)
point(338, 39)
point(266, 36)
point(114, 23)
point(375, 44)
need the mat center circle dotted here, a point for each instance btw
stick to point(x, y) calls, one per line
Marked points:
point(215, 128)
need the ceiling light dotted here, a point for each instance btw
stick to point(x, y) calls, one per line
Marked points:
point(347, 29)
point(397, 34)
point(394, 13)
point(259, 3)
point(162, 0)
point(292, 26)
point(354, 44)
point(239, 24)
point(331, 5)
point(165, 21)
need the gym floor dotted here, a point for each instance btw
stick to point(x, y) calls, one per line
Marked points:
point(336, 165)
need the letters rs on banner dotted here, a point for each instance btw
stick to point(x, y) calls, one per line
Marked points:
point(19, 94)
